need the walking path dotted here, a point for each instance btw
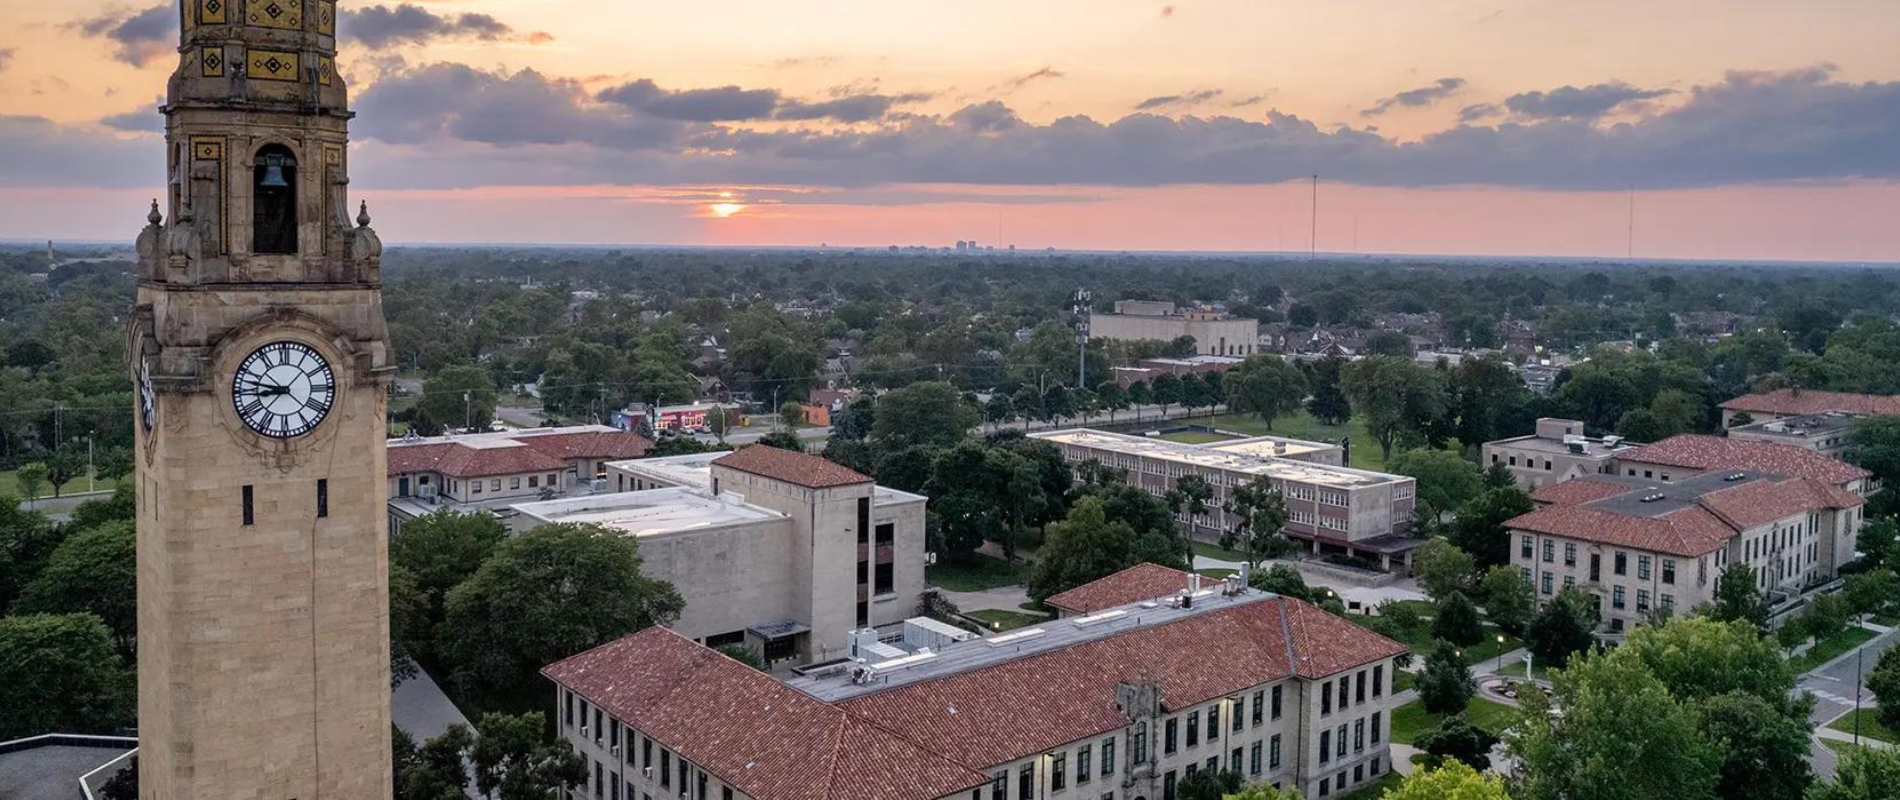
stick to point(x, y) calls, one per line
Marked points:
point(1004, 597)
point(419, 707)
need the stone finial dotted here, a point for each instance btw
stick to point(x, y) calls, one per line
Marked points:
point(154, 217)
point(362, 216)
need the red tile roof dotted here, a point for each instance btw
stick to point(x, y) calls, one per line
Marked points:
point(1760, 502)
point(1701, 452)
point(522, 453)
point(798, 469)
point(1790, 403)
point(1144, 581)
point(1578, 490)
point(1029, 705)
point(1687, 532)
point(766, 739)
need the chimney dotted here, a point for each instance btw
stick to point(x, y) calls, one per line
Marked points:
point(1246, 576)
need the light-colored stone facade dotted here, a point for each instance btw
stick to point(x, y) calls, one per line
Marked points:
point(1557, 452)
point(1214, 334)
point(263, 656)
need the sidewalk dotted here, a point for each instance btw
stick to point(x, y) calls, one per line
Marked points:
point(1844, 736)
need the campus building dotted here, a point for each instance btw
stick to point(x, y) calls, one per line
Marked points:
point(1824, 433)
point(1215, 334)
point(1644, 547)
point(1556, 452)
point(491, 471)
point(1337, 509)
point(1784, 403)
point(781, 552)
point(1692, 454)
point(1148, 369)
point(1122, 704)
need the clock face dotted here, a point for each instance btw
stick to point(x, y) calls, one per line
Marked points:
point(148, 412)
point(283, 389)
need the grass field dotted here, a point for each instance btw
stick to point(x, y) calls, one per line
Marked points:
point(10, 485)
point(1870, 726)
point(1003, 619)
point(1194, 437)
point(1410, 720)
point(1827, 649)
point(1515, 669)
point(1843, 748)
point(1376, 789)
point(1215, 551)
point(975, 574)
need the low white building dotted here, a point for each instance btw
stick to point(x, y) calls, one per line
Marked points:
point(492, 470)
point(783, 552)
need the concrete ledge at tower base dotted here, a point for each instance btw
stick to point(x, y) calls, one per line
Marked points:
point(59, 766)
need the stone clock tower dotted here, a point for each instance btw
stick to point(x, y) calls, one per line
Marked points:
point(260, 355)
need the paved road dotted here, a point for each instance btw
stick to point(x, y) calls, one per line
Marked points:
point(1832, 684)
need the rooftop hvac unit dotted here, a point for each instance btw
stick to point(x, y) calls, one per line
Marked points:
point(426, 490)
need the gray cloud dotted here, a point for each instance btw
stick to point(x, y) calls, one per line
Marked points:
point(1422, 96)
point(137, 37)
point(721, 104)
point(381, 26)
point(1044, 74)
point(1194, 98)
point(145, 119)
point(1478, 112)
point(6, 55)
point(450, 125)
point(1572, 102)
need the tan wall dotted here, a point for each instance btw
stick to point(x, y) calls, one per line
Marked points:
point(1694, 578)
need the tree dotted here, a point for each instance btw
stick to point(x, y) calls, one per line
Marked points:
point(790, 414)
point(1167, 391)
point(1442, 568)
point(1449, 781)
point(1562, 628)
point(59, 672)
point(462, 393)
point(1266, 386)
point(439, 771)
point(1457, 740)
point(1876, 541)
point(1480, 530)
point(1207, 784)
point(744, 655)
point(441, 549)
point(931, 413)
point(65, 464)
point(1082, 548)
point(1871, 592)
point(113, 463)
point(1508, 598)
point(124, 784)
point(1140, 394)
point(1862, 774)
point(32, 480)
point(1327, 404)
point(1828, 615)
point(1456, 621)
point(27, 540)
point(1884, 681)
point(515, 760)
point(94, 572)
point(1390, 343)
point(782, 439)
point(719, 420)
point(1190, 494)
point(120, 506)
point(1641, 425)
point(1488, 399)
point(1700, 658)
point(1621, 737)
point(1302, 315)
point(1111, 397)
point(1393, 395)
point(1259, 512)
point(1264, 791)
point(1444, 480)
point(1736, 597)
point(410, 624)
point(542, 596)
point(1764, 751)
point(1498, 476)
point(1444, 687)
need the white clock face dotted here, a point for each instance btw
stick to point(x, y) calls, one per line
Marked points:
point(283, 389)
point(148, 412)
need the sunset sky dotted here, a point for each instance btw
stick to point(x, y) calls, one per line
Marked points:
point(1747, 128)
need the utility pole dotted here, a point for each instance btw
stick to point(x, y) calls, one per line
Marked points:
point(468, 412)
point(1857, 679)
point(1081, 338)
point(92, 483)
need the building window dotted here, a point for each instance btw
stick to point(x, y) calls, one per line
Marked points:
point(1667, 603)
point(1621, 564)
point(1569, 581)
point(534, 482)
point(1642, 568)
point(1273, 752)
point(1167, 786)
point(1168, 736)
point(1616, 597)
point(1378, 681)
point(1375, 727)
point(514, 482)
point(1194, 728)
point(475, 487)
point(323, 497)
point(1233, 760)
point(1082, 764)
point(666, 768)
point(1058, 772)
point(1325, 787)
point(1026, 780)
point(1524, 547)
point(1339, 742)
point(494, 485)
point(1326, 697)
point(274, 201)
point(1642, 601)
point(249, 517)
point(568, 714)
point(1359, 687)
point(1669, 571)
point(1547, 583)
point(1108, 751)
point(886, 578)
point(886, 534)
point(1570, 554)
point(999, 785)
point(1343, 689)
point(1358, 735)
point(1259, 707)
point(1325, 746)
point(1276, 702)
point(1550, 551)
point(1237, 723)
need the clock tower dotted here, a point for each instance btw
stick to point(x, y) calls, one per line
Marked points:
point(260, 353)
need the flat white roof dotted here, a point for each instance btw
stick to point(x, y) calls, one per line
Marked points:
point(695, 471)
point(1214, 458)
point(493, 439)
point(1266, 446)
point(650, 513)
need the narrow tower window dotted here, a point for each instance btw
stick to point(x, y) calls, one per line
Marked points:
point(274, 201)
point(323, 497)
point(248, 517)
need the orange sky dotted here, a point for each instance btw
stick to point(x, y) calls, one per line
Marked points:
point(1704, 187)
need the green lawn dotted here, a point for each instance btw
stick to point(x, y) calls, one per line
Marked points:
point(975, 573)
point(1870, 726)
point(1376, 789)
point(1410, 720)
point(1889, 620)
point(1827, 649)
point(1402, 680)
point(1002, 619)
point(10, 485)
point(1194, 437)
point(1215, 551)
point(1515, 669)
point(1843, 748)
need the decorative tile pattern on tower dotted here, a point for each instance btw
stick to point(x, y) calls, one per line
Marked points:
point(281, 14)
point(273, 65)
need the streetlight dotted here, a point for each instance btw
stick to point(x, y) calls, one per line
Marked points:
point(1501, 652)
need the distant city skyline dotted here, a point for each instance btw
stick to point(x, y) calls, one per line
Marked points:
point(1746, 130)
